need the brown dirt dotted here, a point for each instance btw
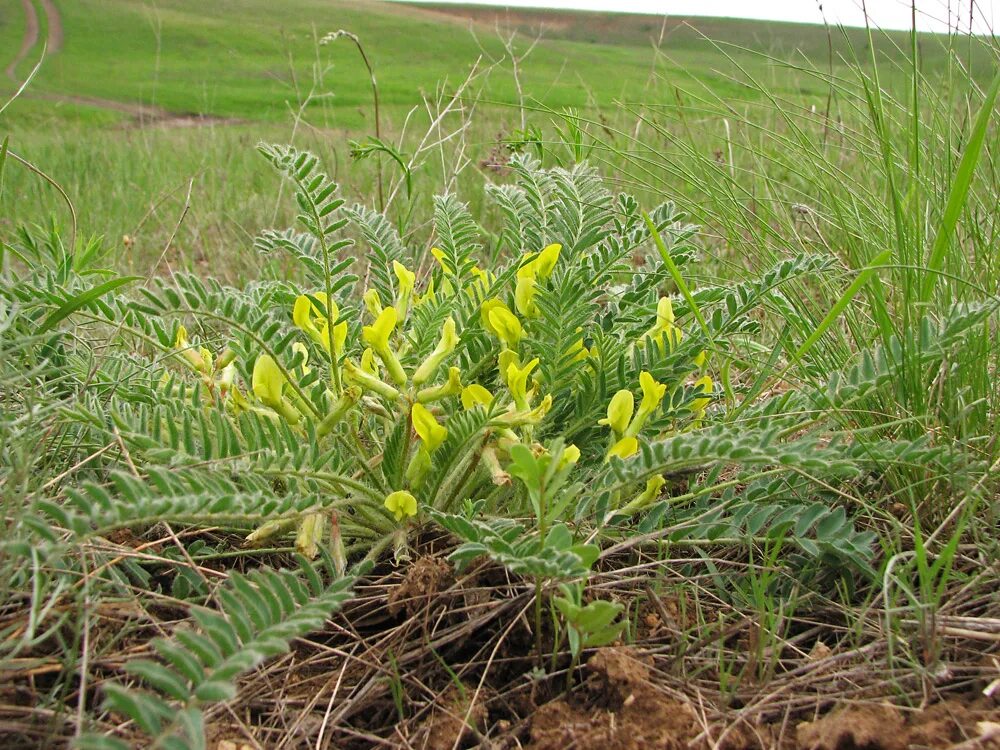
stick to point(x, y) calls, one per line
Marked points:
point(622, 708)
point(427, 658)
point(29, 40)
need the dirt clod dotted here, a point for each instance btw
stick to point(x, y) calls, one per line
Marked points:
point(855, 728)
point(427, 577)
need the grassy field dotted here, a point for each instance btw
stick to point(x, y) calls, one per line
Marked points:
point(116, 130)
point(725, 476)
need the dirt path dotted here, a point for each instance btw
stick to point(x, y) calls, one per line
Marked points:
point(54, 20)
point(28, 41)
point(142, 114)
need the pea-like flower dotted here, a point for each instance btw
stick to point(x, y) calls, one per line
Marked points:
point(363, 378)
point(407, 279)
point(377, 337)
point(401, 504)
point(451, 387)
point(620, 410)
point(268, 382)
point(373, 303)
point(426, 426)
point(441, 258)
point(196, 360)
point(506, 325)
point(652, 395)
point(664, 332)
point(446, 345)
point(474, 395)
point(627, 446)
point(538, 267)
point(314, 321)
point(570, 455)
point(517, 382)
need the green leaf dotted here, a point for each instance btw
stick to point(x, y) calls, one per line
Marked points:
point(959, 191)
point(83, 298)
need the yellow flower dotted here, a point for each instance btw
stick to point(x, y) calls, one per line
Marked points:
point(368, 362)
point(401, 504)
point(570, 455)
point(652, 395)
point(195, 359)
point(505, 359)
point(652, 491)
point(517, 382)
point(699, 360)
point(620, 410)
point(484, 313)
point(406, 279)
point(377, 337)
point(310, 534)
point(579, 350)
point(428, 296)
point(479, 288)
point(474, 395)
point(373, 303)
point(365, 380)
point(702, 385)
point(519, 418)
point(507, 326)
point(451, 387)
point(181, 339)
point(268, 381)
point(313, 320)
point(546, 260)
point(627, 446)
point(426, 426)
point(664, 328)
point(446, 345)
point(524, 296)
point(439, 255)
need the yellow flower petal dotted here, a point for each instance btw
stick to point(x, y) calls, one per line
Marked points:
point(546, 260)
point(401, 504)
point(377, 334)
point(570, 455)
point(484, 313)
point(406, 279)
point(475, 395)
point(517, 382)
point(181, 339)
point(299, 348)
point(507, 326)
point(426, 426)
point(267, 380)
point(446, 345)
point(652, 392)
point(439, 255)
point(627, 446)
point(620, 410)
point(373, 303)
point(524, 296)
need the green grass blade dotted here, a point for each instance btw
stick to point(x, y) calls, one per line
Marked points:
point(83, 298)
point(959, 192)
point(676, 276)
point(841, 304)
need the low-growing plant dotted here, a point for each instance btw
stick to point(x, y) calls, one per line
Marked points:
point(552, 408)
